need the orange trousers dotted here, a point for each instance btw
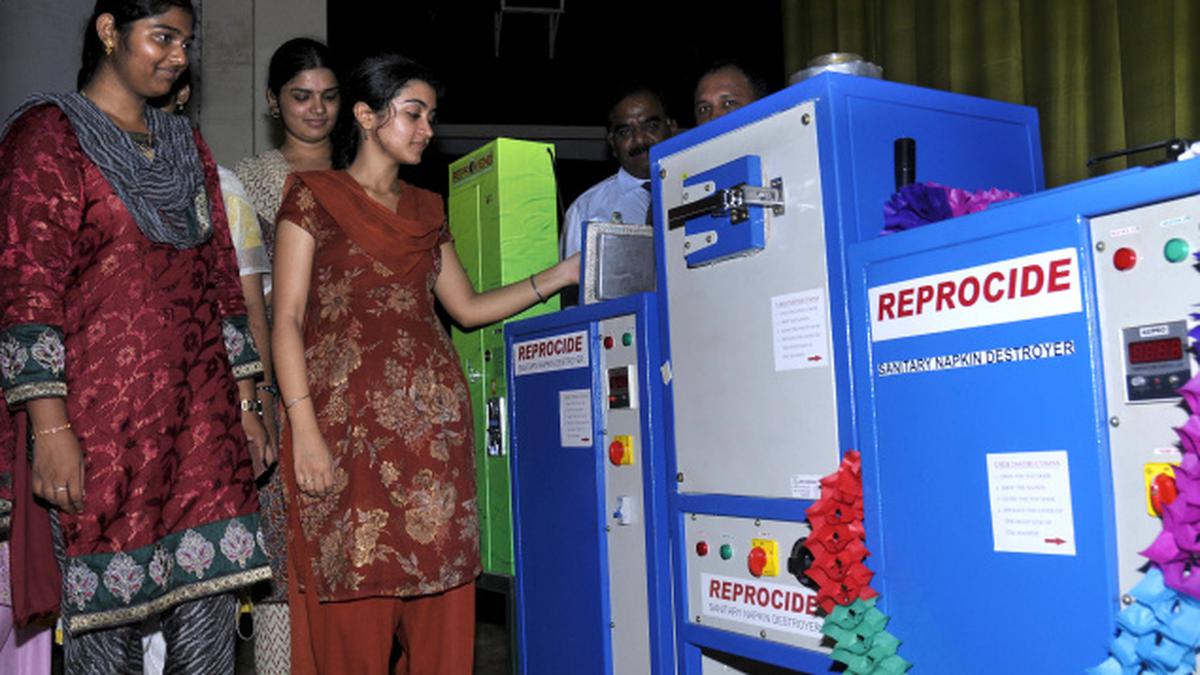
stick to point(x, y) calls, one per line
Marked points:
point(433, 634)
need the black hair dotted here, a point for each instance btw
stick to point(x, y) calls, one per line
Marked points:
point(292, 58)
point(758, 85)
point(632, 88)
point(375, 81)
point(124, 12)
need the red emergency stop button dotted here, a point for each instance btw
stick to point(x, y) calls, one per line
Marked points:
point(620, 451)
point(757, 560)
point(1125, 258)
point(1163, 491)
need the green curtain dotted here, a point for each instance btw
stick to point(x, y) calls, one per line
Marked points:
point(1103, 74)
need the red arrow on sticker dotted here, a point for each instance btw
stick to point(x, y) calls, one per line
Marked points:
point(814, 357)
point(1057, 540)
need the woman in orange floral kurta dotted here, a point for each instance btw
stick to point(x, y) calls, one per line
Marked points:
point(383, 535)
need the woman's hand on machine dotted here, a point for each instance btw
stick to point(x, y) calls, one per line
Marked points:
point(569, 268)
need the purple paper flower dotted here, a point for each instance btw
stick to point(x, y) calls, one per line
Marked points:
point(1183, 576)
point(923, 203)
point(1164, 549)
point(915, 205)
point(1191, 393)
point(1189, 434)
point(982, 199)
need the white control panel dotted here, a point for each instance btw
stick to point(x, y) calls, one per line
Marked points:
point(1147, 286)
point(743, 577)
point(624, 468)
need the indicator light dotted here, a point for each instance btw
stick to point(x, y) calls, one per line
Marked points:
point(1176, 250)
point(1124, 259)
point(701, 548)
point(726, 551)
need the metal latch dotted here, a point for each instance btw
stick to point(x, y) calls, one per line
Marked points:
point(734, 202)
point(495, 426)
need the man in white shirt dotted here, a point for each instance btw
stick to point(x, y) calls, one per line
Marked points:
point(636, 122)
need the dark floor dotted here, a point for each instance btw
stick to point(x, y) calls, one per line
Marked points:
point(492, 638)
point(492, 656)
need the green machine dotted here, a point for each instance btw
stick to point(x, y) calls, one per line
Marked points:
point(504, 218)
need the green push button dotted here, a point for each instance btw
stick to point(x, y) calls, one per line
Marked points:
point(726, 551)
point(627, 339)
point(1176, 250)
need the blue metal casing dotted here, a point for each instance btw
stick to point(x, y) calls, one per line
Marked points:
point(961, 141)
point(956, 604)
point(563, 580)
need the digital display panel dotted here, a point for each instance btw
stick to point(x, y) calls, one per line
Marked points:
point(1155, 351)
point(618, 387)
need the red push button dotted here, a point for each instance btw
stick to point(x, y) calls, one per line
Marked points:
point(757, 560)
point(702, 548)
point(608, 342)
point(1163, 491)
point(620, 451)
point(1125, 258)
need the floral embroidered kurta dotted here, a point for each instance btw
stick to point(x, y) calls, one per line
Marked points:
point(143, 341)
point(392, 405)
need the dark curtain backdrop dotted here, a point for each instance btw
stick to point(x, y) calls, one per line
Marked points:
point(1103, 74)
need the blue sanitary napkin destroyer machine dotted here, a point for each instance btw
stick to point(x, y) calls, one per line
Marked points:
point(1015, 376)
point(753, 215)
point(589, 491)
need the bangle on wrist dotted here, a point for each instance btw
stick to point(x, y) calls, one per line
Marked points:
point(288, 405)
point(250, 405)
point(52, 430)
point(269, 388)
point(533, 284)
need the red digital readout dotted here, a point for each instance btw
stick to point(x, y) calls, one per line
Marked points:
point(1154, 351)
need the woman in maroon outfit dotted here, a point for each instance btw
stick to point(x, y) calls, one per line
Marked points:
point(122, 332)
point(383, 530)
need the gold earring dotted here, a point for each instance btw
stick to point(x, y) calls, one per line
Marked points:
point(275, 113)
point(108, 49)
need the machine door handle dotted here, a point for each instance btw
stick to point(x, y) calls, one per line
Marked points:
point(734, 202)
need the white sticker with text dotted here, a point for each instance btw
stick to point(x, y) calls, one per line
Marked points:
point(798, 329)
point(792, 609)
point(1030, 494)
point(544, 355)
point(575, 418)
point(1018, 289)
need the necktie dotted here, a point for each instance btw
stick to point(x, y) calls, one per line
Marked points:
point(650, 206)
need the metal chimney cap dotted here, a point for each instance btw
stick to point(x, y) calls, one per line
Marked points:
point(838, 62)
